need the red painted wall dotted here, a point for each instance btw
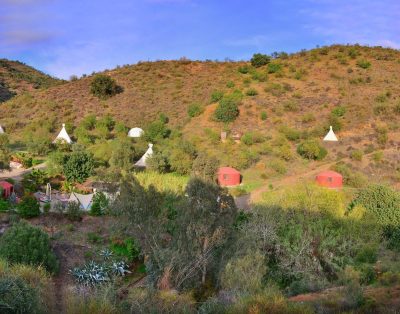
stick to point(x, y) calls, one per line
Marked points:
point(228, 176)
point(330, 179)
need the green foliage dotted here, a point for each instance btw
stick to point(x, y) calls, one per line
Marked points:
point(290, 106)
point(156, 131)
point(104, 86)
point(351, 177)
point(23, 243)
point(16, 296)
point(392, 236)
point(127, 249)
point(244, 69)
point(227, 109)
point(380, 201)
point(311, 149)
point(4, 205)
point(364, 64)
point(263, 115)
point(158, 162)
point(216, 96)
point(205, 166)
point(195, 109)
point(100, 204)
point(4, 152)
point(28, 207)
point(251, 92)
point(382, 135)
point(34, 180)
point(357, 155)
point(73, 211)
point(274, 67)
point(250, 138)
point(89, 122)
point(259, 60)
point(339, 111)
point(78, 166)
point(290, 134)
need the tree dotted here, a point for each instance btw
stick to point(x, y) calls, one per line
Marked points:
point(29, 207)
point(78, 166)
point(227, 110)
point(206, 223)
point(23, 243)
point(311, 149)
point(4, 152)
point(122, 155)
point(155, 131)
point(259, 60)
point(104, 86)
point(205, 167)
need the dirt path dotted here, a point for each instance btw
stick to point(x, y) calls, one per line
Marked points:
point(18, 174)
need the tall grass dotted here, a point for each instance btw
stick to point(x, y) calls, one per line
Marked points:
point(163, 182)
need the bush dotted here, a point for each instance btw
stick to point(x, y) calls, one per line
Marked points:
point(74, 212)
point(251, 92)
point(380, 201)
point(227, 110)
point(4, 205)
point(263, 115)
point(23, 243)
point(251, 138)
point(274, 67)
point(16, 296)
point(259, 60)
point(104, 86)
point(99, 204)
point(311, 149)
point(244, 69)
point(156, 131)
point(127, 249)
point(216, 96)
point(78, 166)
point(339, 111)
point(290, 105)
point(356, 155)
point(382, 135)
point(364, 64)
point(28, 207)
point(195, 110)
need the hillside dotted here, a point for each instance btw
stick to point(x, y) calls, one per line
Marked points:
point(356, 89)
point(17, 77)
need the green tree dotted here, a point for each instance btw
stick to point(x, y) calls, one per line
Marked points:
point(122, 155)
point(4, 152)
point(227, 110)
point(78, 166)
point(206, 223)
point(104, 86)
point(28, 207)
point(259, 60)
point(205, 167)
point(23, 243)
point(156, 131)
point(311, 149)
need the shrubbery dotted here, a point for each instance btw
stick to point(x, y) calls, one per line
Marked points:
point(227, 110)
point(195, 110)
point(104, 86)
point(311, 149)
point(28, 207)
point(259, 60)
point(23, 243)
point(78, 166)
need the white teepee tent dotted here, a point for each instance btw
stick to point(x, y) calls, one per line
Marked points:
point(84, 201)
point(330, 137)
point(135, 132)
point(142, 161)
point(63, 136)
point(1, 130)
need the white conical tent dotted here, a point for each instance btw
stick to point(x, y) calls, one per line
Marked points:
point(84, 201)
point(330, 137)
point(142, 161)
point(135, 132)
point(1, 130)
point(63, 136)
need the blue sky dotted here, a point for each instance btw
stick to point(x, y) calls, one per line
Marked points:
point(65, 37)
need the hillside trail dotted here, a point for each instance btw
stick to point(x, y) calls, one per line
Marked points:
point(18, 174)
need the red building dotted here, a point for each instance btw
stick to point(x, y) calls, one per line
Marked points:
point(330, 179)
point(228, 176)
point(7, 189)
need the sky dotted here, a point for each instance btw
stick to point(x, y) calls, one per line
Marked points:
point(74, 37)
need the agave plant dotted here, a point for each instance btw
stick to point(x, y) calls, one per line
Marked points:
point(119, 268)
point(106, 254)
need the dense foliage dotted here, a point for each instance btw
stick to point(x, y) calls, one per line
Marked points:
point(311, 149)
point(259, 60)
point(104, 86)
point(28, 207)
point(78, 166)
point(23, 243)
point(227, 110)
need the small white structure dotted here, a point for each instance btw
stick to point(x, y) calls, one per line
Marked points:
point(1, 130)
point(84, 201)
point(330, 137)
point(15, 165)
point(135, 132)
point(142, 161)
point(63, 136)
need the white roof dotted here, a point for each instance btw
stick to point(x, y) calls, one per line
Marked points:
point(63, 136)
point(1, 130)
point(142, 161)
point(85, 201)
point(330, 137)
point(135, 132)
